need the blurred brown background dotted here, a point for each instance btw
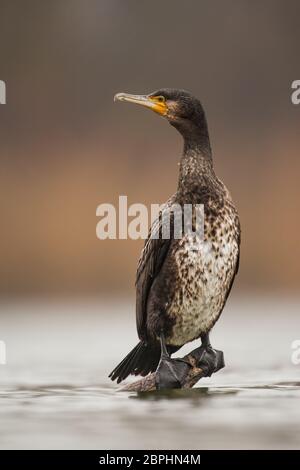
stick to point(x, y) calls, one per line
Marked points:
point(66, 147)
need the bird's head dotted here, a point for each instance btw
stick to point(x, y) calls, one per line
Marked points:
point(179, 107)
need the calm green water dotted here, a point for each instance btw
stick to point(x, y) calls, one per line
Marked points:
point(54, 391)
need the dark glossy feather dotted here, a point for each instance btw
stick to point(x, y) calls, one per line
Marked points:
point(151, 260)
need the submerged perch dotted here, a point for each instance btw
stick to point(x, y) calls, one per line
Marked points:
point(199, 361)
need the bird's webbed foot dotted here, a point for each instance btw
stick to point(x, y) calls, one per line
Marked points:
point(208, 359)
point(171, 373)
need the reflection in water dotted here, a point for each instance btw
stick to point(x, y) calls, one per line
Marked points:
point(192, 394)
point(54, 390)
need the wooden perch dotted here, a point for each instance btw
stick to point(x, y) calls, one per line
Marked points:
point(199, 368)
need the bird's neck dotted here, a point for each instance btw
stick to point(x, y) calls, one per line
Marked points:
point(196, 166)
point(195, 135)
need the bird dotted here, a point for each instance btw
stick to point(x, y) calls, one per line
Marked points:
point(183, 283)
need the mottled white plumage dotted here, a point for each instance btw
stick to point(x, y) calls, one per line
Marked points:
point(205, 270)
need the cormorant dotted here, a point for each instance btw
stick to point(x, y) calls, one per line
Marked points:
point(181, 288)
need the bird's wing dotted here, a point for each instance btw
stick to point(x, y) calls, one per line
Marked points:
point(237, 265)
point(149, 265)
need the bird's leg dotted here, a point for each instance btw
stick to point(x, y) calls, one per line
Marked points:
point(205, 341)
point(207, 358)
point(170, 373)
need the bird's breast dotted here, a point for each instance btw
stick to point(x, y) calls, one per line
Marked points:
point(204, 271)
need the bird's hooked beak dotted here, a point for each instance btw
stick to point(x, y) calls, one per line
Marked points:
point(148, 101)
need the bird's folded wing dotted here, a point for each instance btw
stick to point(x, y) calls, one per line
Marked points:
point(152, 258)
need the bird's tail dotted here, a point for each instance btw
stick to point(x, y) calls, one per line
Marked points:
point(144, 358)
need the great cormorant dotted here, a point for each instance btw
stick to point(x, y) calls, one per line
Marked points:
point(181, 288)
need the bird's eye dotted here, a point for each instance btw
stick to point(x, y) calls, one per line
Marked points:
point(161, 99)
